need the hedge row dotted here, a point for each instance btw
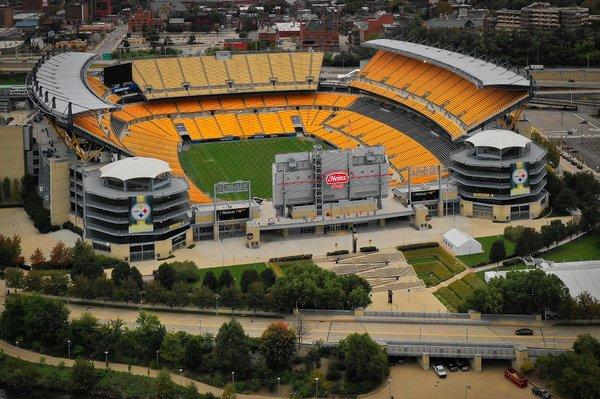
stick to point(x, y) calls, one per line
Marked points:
point(338, 252)
point(420, 245)
point(511, 262)
point(291, 258)
point(371, 248)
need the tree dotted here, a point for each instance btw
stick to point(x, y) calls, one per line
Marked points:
point(84, 333)
point(249, 276)
point(255, 296)
point(210, 281)
point(358, 298)
point(229, 392)
point(366, 362)
point(56, 284)
point(231, 351)
point(154, 292)
point(10, 249)
point(278, 345)
point(37, 258)
point(268, 277)
point(60, 254)
point(302, 328)
point(15, 194)
point(148, 335)
point(587, 344)
point(231, 297)
point(197, 350)
point(164, 388)
point(498, 251)
point(85, 262)
point(172, 350)
point(6, 189)
point(566, 200)
point(83, 376)
point(587, 306)
point(528, 242)
point(32, 282)
point(192, 39)
point(226, 279)
point(165, 275)
point(203, 297)
point(13, 277)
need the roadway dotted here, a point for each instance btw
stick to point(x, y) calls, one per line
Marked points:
point(335, 328)
point(112, 40)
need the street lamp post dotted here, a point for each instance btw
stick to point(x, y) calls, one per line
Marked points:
point(420, 334)
point(278, 382)
point(390, 388)
point(17, 344)
point(233, 379)
point(69, 345)
point(156, 358)
point(106, 358)
point(316, 387)
point(217, 299)
point(467, 387)
point(200, 326)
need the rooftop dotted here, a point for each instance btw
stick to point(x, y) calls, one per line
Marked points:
point(135, 168)
point(62, 77)
point(457, 237)
point(480, 72)
point(499, 139)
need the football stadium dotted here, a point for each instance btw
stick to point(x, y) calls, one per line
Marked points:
point(262, 143)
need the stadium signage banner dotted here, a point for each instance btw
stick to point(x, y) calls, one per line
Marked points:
point(337, 179)
point(140, 214)
point(232, 187)
point(426, 195)
point(233, 214)
point(519, 182)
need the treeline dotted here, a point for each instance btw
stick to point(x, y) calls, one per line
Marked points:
point(357, 365)
point(559, 47)
point(177, 284)
point(574, 373)
point(84, 378)
point(574, 191)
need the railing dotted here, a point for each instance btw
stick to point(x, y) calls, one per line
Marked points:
point(421, 315)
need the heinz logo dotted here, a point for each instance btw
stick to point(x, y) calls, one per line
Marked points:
point(337, 179)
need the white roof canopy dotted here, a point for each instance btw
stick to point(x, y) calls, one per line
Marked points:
point(457, 237)
point(480, 72)
point(135, 168)
point(499, 139)
point(62, 77)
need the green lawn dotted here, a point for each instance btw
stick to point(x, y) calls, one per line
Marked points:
point(209, 163)
point(582, 248)
point(13, 78)
point(484, 257)
point(235, 270)
point(433, 265)
point(281, 268)
point(454, 295)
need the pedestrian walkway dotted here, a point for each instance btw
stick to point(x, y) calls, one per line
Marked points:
point(34, 357)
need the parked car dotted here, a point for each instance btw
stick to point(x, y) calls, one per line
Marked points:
point(440, 371)
point(453, 367)
point(540, 392)
point(464, 366)
point(524, 331)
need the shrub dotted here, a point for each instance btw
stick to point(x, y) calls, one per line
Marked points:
point(511, 262)
point(420, 245)
point(291, 258)
point(370, 248)
point(70, 226)
point(338, 252)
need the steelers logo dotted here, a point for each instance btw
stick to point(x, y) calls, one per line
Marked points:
point(520, 176)
point(140, 211)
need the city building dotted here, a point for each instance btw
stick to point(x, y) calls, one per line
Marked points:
point(542, 16)
point(369, 28)
point(319, 35)
point(132, 209)
point(103, 8)
point(144, 17)
point(77, 13)
point(287, 29)
point(501, 175)
point(461, 18)
point(6, 17)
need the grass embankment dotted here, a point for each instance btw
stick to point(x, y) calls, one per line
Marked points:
point(586, 247)
point(433, 265)
point(454, 295)
point(279, 268)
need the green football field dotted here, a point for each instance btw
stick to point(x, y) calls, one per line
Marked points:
point(210, 163)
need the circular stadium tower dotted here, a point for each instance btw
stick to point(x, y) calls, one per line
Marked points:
point(501, 175)
point(136, 210)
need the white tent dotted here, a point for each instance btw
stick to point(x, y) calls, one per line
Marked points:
point(460, 243)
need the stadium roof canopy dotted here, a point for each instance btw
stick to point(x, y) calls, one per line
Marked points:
point(135, 168)
point(62, 76)
point(480, 72)
point(499, 139)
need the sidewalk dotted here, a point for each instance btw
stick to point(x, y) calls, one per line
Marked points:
point(35, 357)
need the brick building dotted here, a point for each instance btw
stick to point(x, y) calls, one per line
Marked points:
point(6, 17)
point(77, 13)
point(141, 18)
point(103, 8)
point(319, 35)
point(369, 28)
